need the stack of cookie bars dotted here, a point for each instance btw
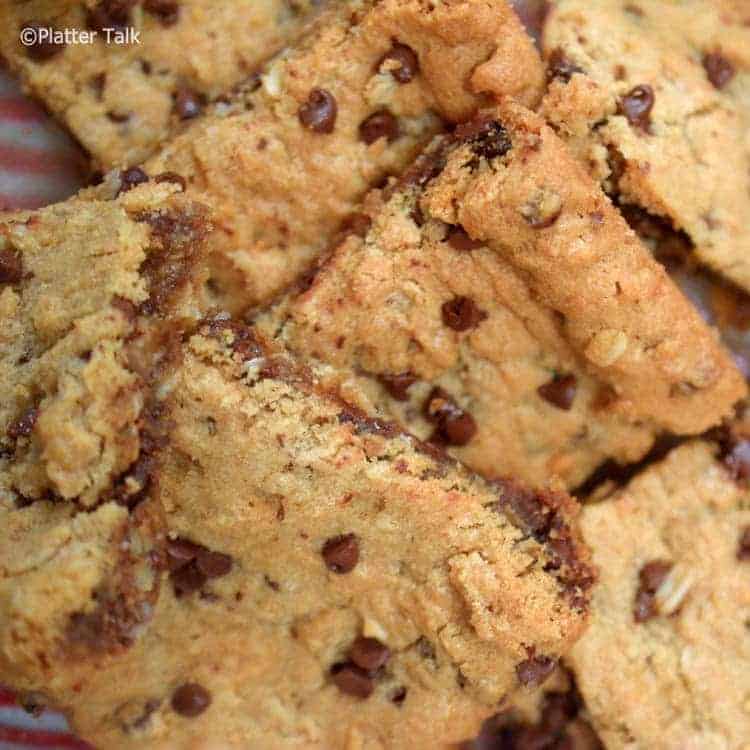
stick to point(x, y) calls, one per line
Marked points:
point(387, 389)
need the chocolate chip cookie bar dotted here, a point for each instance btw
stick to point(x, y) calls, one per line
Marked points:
point(330, 582)
point(286, 160)
point(653, 97)
point(121, 100)
point(94, 297)
point(663, 664)
point(497, 304)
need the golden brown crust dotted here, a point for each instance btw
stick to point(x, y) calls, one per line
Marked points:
point(653, 98)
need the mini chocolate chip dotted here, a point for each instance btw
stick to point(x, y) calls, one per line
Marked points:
point(11, 266)
point(462, 314)
point(379, 125)
point(637, 104)
point(743, 548)
point(408, 62)
point(214, 564)
point(369, 653)
point(458, 239)
point(110, 14)
point(718, 69)
point(650, 577)
point(352, 680)
point(398, 385)
point(167, 11)
point(24, 425)
point(187, 579)
point(560, 67)
point(187, 103)
point(178, 179)
point(190, 699)
point(42, 49)
point(454, 425)
point(129, 178)
point(560, 391)
point(319, 112)
point(341, 553)
point(398, 696)
point(535, 670)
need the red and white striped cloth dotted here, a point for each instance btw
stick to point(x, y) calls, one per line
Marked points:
point(39, 164)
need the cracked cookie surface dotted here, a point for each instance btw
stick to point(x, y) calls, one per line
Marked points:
point(653, 96)
point(673, 553)
point(122, 100)
point(486, 308)
point(333, 583)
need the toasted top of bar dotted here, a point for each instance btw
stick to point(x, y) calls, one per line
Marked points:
point(332, 580)
point(664, 662)
point(654, 98)
point(496, 302)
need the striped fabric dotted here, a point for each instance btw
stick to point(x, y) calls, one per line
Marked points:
point(39, 164)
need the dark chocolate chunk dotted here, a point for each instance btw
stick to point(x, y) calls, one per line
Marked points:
point(188, 579)
point(462, 314)
point(488, 138)
point(398, 385)
point(408, 62)
point(24, 425)
point(637, 104)
point(341, 553)
point(319, 112)
point(369, 653)
point(560, 391)
point(560, 67)
point(190, 699)
point(110, 14)
point(352, 680)
point(214, 564)
point(129, 178)
point(718, 69)
point(454, 425)
point(167, 11)
point(650, 577)
point(379, 125)
point(533, 671)
point(11, 266)
point(187, 103)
